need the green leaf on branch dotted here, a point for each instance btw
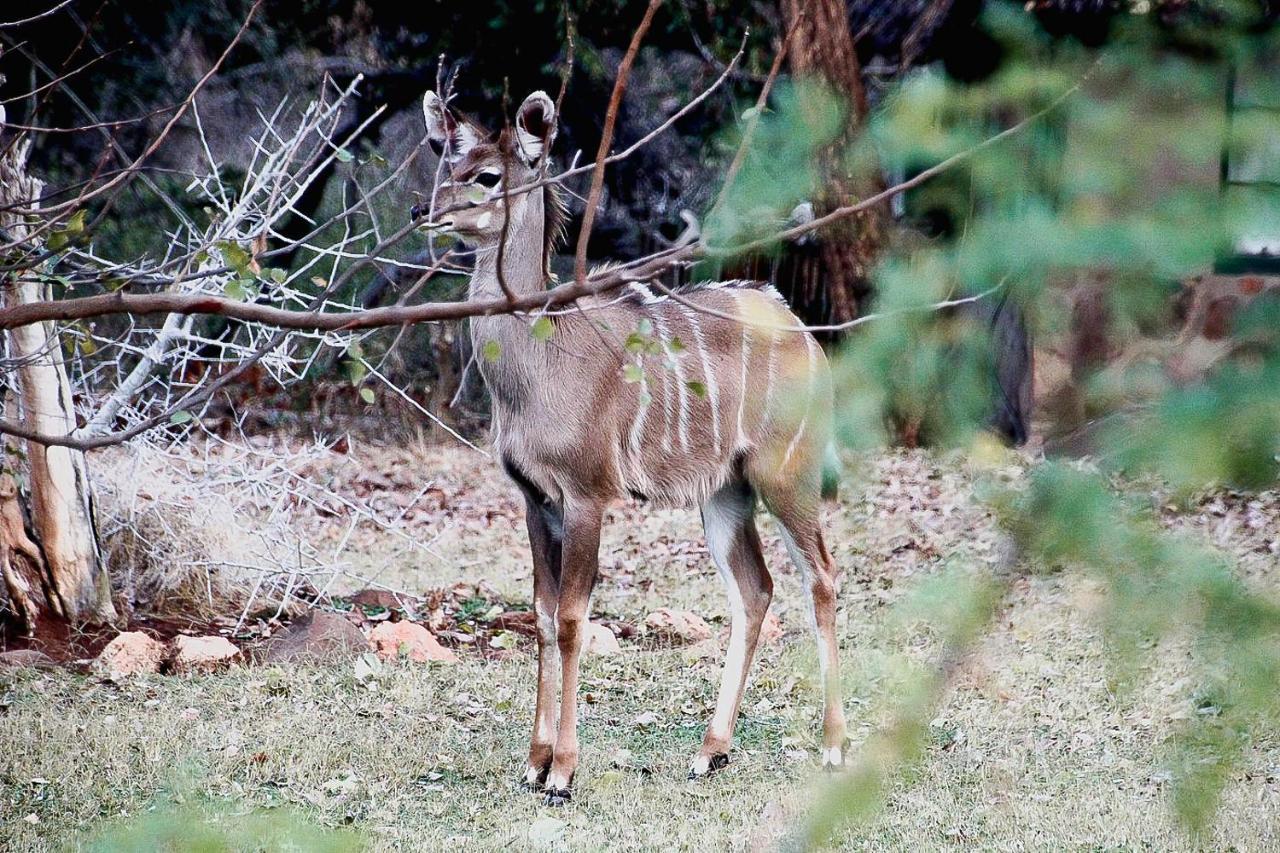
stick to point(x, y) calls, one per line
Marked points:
point(356, 368)
point(542, 329)
point(63, 237)
point(236, 256)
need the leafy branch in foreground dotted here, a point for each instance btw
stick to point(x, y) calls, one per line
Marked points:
point(1081, 195)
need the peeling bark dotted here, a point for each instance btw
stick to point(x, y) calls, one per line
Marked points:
point(74, 586)
point(21, 563)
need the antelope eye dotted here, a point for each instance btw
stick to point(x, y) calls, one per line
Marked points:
point(488, 180)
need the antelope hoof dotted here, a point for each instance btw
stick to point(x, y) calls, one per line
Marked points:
point(535, 777)
point(557, 796)
point(833, 759)
point(705, 765)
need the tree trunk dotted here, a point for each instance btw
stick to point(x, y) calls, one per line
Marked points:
point(50, 535)
point(822, 47)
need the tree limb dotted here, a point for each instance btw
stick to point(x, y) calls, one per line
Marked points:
point(606, 139)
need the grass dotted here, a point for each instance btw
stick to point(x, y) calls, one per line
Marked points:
point(1031, 750)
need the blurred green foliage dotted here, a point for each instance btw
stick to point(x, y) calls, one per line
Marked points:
point(194, 830)
point(1119, 180)
point(779, 167)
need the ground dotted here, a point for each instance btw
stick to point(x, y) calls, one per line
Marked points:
point(1032, 749)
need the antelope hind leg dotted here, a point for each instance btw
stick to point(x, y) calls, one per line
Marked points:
point(803, 538)
point(732, 539)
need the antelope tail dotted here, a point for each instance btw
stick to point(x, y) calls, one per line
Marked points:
point(830, 473)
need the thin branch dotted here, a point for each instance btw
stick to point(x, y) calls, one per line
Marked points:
point(761, 102)
point(46, 13)
point(833, 327)
point(400, 392)
point(34, 128)
point(606, 140)
point(62, 78)
point(69, 206)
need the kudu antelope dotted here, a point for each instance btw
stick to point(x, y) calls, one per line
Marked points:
point(637, 394)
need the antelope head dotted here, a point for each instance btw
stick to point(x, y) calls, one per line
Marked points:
point(480, 168)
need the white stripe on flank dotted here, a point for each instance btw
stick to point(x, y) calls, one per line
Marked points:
point(667, 411)
point(681, 388)
point(709, 377)
point(773, 375)
point(810, 347)
point(746, 358)
point(643, 289)
point(642, 413)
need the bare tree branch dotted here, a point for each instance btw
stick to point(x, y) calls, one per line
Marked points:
point(45, 14)
point(69, 206)
point(600, 282)
point(606, 140)
point(762, 101)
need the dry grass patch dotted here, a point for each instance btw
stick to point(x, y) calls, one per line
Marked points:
point(1032, 750)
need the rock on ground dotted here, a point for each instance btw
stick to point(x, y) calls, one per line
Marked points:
point(678, 625)
point(518, 621)
point(771, 630)
point(23, 658)
point(377, 598)
point(130, 653)
point(419, 644)
point(321, 636)
point(601, 641)
point(201, 654)
point(701, 650)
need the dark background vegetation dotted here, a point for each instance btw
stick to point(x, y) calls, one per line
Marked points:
point(137, 61)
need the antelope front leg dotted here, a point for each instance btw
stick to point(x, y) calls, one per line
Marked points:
point(577, 575)
point(545, 523)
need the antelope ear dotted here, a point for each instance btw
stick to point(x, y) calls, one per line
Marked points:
point(448, 136)
point(535, 125)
